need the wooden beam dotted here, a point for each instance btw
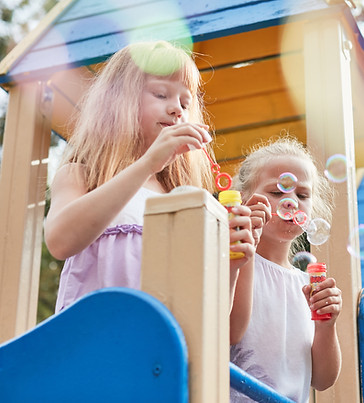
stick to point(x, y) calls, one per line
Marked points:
point(248, 45)
point(329, 119)
point(255, 109)
point(186, 266)
point(24, 46)
point(262, 76)
point(22, 200)
point(235, 144)
point(68, 87)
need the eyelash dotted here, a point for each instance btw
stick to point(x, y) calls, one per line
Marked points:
point(162, 96)
point(279, 194)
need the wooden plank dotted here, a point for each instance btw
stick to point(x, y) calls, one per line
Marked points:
point(235, 145)
point(86, 8)
point(112, 18)
point(259, 77)
point(193, 285)
point(329, 119)
point(249, 45)
point(97, 47)
point(252, 110)
point(17, 53)
point(68, 87)
point(22, 201)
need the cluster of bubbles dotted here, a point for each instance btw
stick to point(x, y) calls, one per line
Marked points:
point(317, 229)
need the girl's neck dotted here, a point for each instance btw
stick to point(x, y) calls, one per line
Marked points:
point(153, 184)
point(275, 253)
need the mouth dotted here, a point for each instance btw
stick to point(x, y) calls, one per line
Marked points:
point(164, 124)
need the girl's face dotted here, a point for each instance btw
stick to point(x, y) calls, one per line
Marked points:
point(278, 228)
point(165, 101)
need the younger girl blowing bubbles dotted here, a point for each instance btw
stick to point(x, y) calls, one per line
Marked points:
point(280, 344)
point(132, 140)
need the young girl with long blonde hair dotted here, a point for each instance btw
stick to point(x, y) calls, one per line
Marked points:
point(276, 341)
point(140, 132)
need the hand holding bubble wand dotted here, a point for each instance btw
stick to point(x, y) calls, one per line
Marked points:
point(228, 198)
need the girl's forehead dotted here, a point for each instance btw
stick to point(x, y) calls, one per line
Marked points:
point(274, 167)
point(176, 79)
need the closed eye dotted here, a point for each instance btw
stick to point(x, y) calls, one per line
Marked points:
point(184, 106)
point(276, 193)
point(159, 95)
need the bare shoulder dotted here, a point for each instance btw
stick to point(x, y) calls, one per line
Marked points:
point(70, 175)
point(68, 184)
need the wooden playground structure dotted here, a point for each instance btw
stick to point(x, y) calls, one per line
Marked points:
point(268, 65)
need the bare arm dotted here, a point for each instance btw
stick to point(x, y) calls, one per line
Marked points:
point(326, 354)
point(77, 217)
point(242, 272)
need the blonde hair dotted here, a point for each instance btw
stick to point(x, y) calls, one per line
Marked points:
point(261, 154)
point(107, 137)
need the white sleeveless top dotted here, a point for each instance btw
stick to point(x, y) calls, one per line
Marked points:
point(276, 348)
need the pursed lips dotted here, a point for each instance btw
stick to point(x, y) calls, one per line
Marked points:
point(164, 124)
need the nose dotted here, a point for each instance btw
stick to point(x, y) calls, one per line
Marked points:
point(287, 207)
point(175, 108)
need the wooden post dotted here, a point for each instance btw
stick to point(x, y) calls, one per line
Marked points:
point(186, 266)
point(22, 200)
point(329, 118)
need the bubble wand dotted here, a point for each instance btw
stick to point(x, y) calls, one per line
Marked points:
point(215, 168)
point(228, 198)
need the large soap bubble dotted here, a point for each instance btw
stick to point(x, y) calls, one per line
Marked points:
point(287, 182)
point(286, 208)
point(302, 259)
point(318, 231)
point(355, 247)
point(335, 169)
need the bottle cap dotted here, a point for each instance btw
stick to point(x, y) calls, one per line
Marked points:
point(316, 267)
point(229, 196)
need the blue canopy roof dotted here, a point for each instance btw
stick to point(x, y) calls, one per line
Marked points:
point(89, 31)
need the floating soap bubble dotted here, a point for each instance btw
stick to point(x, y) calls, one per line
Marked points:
point(302, 259)
point(318, 231)
point(286, 208)
point(335, 169)
point(354, 247)
point(287, 182)
point(300, 218)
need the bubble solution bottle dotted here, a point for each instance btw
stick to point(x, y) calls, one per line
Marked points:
point(317, 272)
point(230, 199)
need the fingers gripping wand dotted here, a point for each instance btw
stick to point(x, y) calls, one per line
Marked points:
point(228, 198)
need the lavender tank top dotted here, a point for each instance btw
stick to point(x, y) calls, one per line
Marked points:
point(113, 260)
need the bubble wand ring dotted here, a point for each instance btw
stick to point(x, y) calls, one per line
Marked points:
point(215, 168)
